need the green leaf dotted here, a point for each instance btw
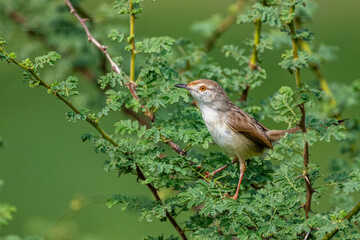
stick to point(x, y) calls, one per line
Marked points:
point(116, 36)
point(49, 58)
point(154, 44)
point(67, 88)
point(126, 126)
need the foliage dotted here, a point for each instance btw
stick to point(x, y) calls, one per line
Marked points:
point(5, 211)
point(273, 194)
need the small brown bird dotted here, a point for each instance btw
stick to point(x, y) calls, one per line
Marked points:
point(236, 132)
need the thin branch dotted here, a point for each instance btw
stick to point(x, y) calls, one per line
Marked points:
point(245, 93)
point(103, 49)
point(254, 58)
point(77, 204)
point(348, 217)
point(132, 43)
point(228, 21)
point(157, 197)
point(315, 68)
point(21, 20)
point(305, 175)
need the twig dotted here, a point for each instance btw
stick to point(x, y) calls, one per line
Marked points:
point(348, 217)
point(77, 204)
point(315, 68)
point(115, 68)
point(101, 47)
point(157, 197)
point(225, 24)
point(132, 43)
point(20, 19)
point(245, 93)
point(305, 175)
point(254, 58)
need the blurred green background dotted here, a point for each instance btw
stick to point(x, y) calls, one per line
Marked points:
point(44, 163)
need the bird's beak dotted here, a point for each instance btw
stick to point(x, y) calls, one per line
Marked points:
point(182, 86)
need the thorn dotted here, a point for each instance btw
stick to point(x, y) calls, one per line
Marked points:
point(307, 235)
point(307, 180)
point(104, 47)
point(85, 19)
point(72, 11)
point(89, 38)
point(300, 176)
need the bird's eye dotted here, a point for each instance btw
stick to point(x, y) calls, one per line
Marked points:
point(202, 88)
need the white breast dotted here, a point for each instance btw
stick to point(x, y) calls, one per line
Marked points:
point(234, 143)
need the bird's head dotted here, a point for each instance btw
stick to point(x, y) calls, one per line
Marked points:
point(205, 91)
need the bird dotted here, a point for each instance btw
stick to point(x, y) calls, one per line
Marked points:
point(232, 129)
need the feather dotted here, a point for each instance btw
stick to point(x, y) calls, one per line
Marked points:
point(241, 122)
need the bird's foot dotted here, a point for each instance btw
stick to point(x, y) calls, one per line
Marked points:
point(208, 174)
point(235, 197)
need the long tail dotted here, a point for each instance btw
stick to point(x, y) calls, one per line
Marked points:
point(275, 135)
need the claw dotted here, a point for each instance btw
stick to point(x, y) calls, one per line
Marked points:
point(208, 174)
point(235, 197)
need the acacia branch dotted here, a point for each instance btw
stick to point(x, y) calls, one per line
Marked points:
point(254, 58)
point(348, 217)
point(305, 175)
point(114, 66)
point(132, 43)
point(131, 85)
point(91, 39)
point(96, 125)
point(21, 20)
point(228, 21)
point(315, 68)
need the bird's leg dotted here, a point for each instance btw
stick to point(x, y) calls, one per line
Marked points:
point(208, 174)
point(242, 172)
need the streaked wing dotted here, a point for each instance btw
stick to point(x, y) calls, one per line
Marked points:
point(241, 122)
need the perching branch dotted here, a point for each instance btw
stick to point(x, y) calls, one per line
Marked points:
point(305, 175)
point(348, 217)
point(228, 21)
point(96, 125)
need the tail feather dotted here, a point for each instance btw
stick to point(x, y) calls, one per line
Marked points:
point(275, 135)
